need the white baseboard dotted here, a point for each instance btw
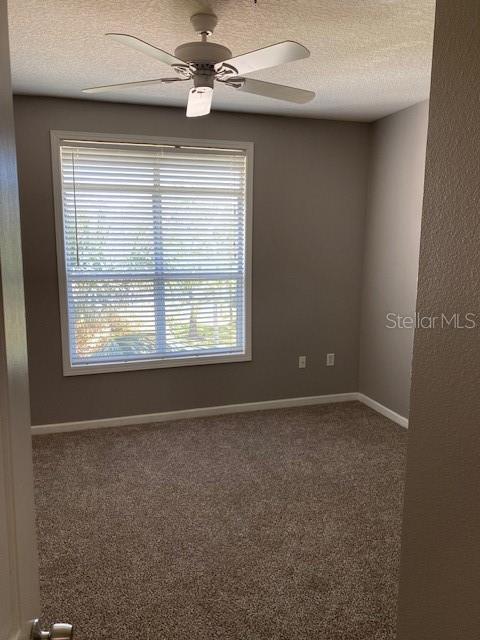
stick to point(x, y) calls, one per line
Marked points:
point(167, 416)
point(385, 411)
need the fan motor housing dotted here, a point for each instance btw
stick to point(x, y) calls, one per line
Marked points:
point(203, 52)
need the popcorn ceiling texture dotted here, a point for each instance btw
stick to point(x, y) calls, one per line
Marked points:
point(369, 58)
point(274, 525)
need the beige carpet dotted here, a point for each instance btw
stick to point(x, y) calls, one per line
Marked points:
point(279, 524)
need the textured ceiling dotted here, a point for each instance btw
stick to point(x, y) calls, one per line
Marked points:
point(369, 58)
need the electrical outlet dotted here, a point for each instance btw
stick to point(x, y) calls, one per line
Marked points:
point(330, 359)
point(302, 362)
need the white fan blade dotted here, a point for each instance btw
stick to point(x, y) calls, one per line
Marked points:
point(144, 47)
point(199, 102)
point(129, 85)
point(276, 91)
point(272, 56)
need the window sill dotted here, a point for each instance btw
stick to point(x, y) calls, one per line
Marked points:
point(139, 365)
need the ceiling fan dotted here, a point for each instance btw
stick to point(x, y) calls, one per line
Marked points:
point(206, 62)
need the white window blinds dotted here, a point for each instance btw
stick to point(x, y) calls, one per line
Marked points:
point(155, 252)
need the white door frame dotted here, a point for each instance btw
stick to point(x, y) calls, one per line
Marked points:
point(19, 587)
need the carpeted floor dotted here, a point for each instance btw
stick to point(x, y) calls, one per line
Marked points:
point(279, 524)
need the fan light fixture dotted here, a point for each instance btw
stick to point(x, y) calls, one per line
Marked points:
point(208, 62)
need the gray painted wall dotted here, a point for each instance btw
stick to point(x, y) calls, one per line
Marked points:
point(440, 568)
point(392, 240)
point(309, 202)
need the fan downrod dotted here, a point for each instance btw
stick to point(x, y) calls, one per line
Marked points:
point(204, 23)
point(203, 55)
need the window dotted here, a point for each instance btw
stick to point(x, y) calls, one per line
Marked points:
point(154, 251)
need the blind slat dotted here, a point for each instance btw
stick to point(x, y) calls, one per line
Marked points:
point(154, 242)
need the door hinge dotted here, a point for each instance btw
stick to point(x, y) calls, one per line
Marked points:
point(58, 631)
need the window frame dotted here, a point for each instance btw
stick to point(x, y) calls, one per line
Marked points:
point(57, 137)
